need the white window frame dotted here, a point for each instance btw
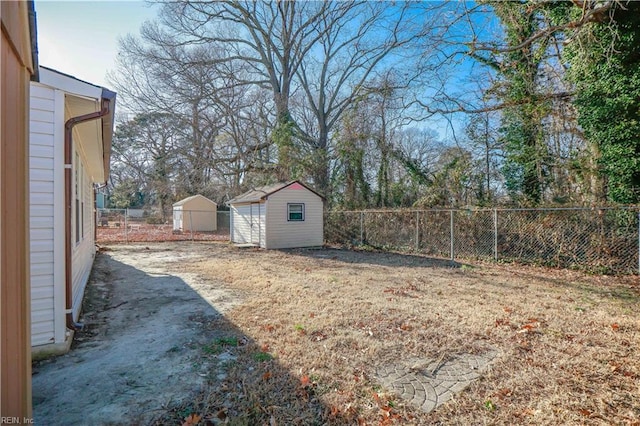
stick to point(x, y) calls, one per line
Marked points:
point(79, 199)
point(289, 212)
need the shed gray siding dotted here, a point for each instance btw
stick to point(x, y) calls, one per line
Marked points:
point(282, 233)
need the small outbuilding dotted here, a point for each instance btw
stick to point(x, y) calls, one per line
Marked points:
point(282, 215)
point(195, 213)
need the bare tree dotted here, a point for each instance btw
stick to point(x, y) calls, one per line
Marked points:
point(325, 50)
point(271, 38)
point(145, 152)
point(482, 133)
point(355, 46)
point(221, 119)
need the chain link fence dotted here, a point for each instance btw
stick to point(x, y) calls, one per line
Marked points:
point(600, 240)
point(133, 225)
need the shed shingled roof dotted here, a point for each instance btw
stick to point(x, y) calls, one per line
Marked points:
point(261, 193)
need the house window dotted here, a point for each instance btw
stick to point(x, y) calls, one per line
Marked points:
point(77, 197)
point(295, 212)
point(82, 195)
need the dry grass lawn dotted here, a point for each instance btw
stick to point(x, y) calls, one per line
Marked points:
point(319, 323)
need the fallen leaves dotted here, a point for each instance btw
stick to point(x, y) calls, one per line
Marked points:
point(306, 388)
point(549, 352)
point(502, 321)
point(222, 414)
point(527, 328)
point(153, 233)
point(406, 327)
point(191, 420)
point(268, 327)
point(503, 393)
point(334, 411)
point(617, 368)
point(403, 291)
point(305, 382)
point(584, 412)
point(531, 326)
point(318, 335)
point(386, 410)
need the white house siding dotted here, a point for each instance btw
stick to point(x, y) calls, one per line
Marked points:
point(83, 252)
point(46, 181)
point(43, 219)
point(281, 233)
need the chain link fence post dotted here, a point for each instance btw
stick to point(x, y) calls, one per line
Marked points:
point(191, 224)
point(126, 225)
point(495, 234)
point(417, 231)
point(452, 235)
point(361, 228)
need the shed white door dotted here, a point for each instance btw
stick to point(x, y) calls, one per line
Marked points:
point(177, 218)
point(241, 218)
point(256, 225)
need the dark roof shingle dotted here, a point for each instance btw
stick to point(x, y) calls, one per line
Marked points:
point(262, 192)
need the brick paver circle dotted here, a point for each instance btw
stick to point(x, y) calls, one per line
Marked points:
point(427, 384)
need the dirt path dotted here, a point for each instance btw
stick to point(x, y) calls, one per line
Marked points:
point(141, 348)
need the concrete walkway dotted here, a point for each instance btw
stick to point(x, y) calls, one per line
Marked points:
point(146, 322)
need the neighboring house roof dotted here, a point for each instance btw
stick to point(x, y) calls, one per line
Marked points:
point(262, 193)
point(193, 197)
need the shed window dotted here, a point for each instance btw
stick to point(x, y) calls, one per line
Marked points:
point(295, 212)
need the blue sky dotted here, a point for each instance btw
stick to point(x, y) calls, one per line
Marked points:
point(80, 38)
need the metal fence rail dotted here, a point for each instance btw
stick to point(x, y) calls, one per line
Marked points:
point(603, 240)
point(128, 225)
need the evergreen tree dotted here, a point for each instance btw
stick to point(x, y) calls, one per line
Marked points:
point(605, 68)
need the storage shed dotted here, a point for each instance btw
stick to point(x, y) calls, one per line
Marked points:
point(195, 213)
point(282, 215)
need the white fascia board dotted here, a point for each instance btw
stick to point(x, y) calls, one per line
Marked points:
point(69, 84)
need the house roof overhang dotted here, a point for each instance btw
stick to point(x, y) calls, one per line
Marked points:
point(92, 138)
